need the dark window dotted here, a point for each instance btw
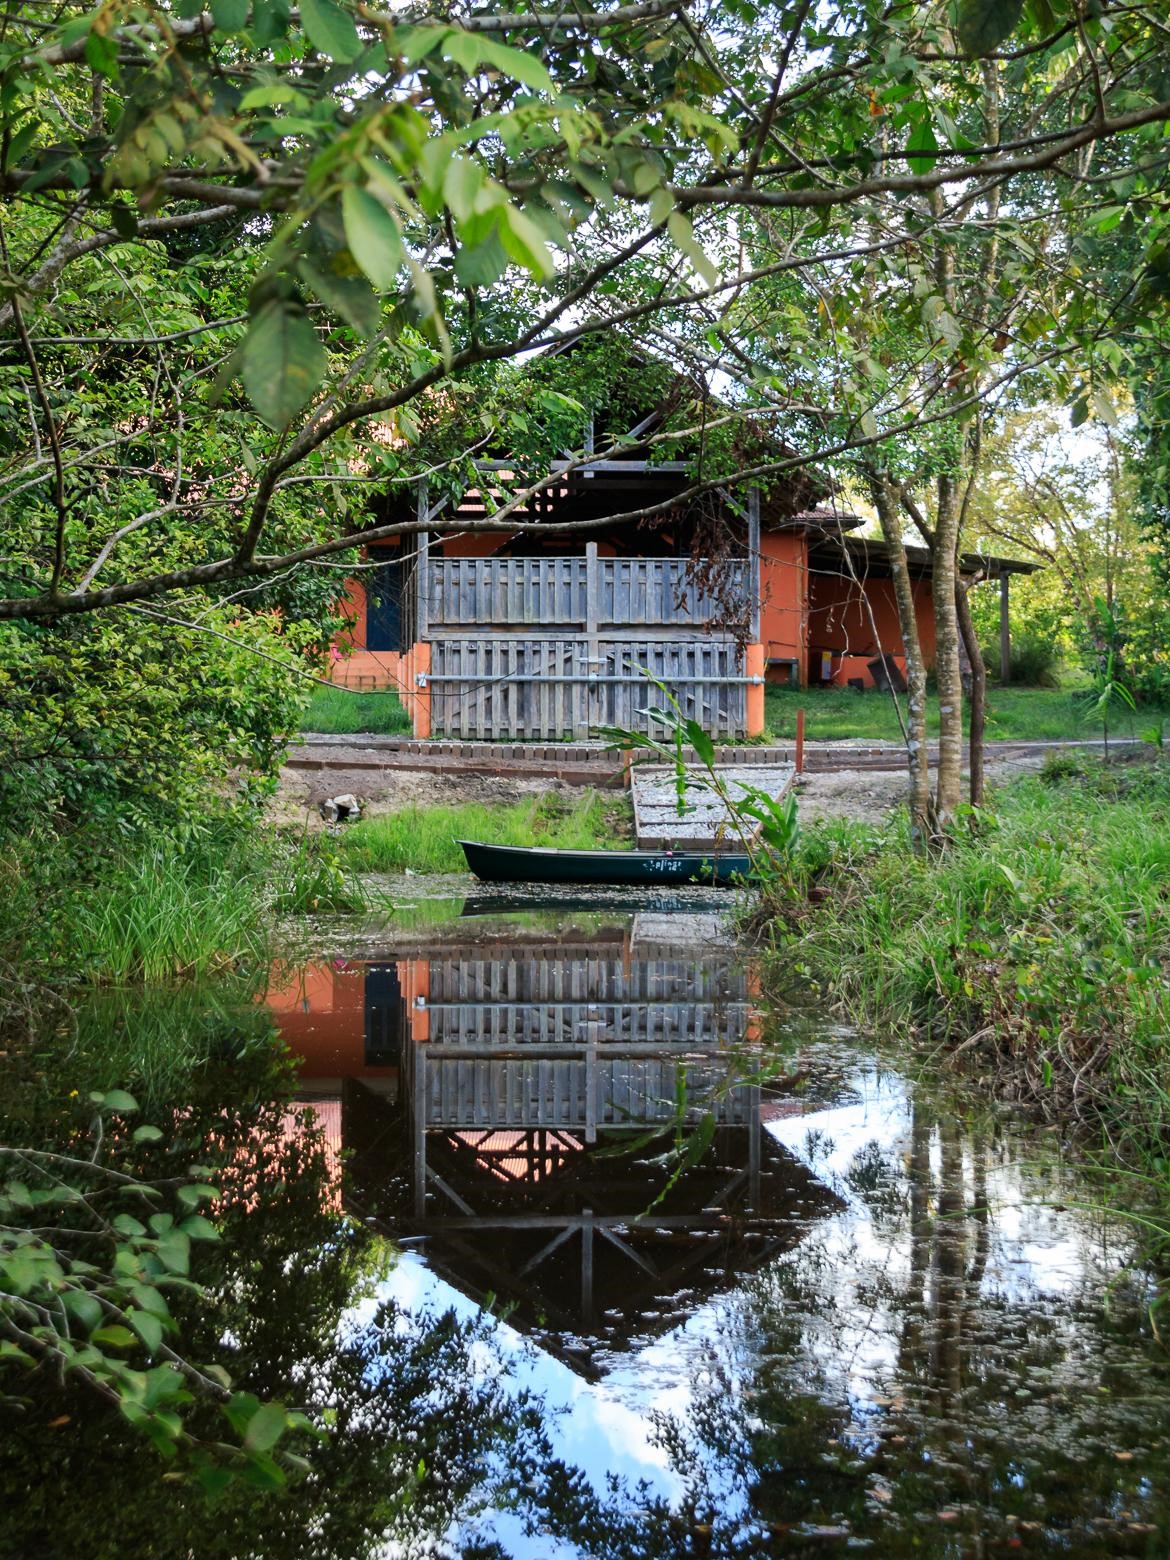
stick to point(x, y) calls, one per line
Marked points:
point(384, 1015)
point(384, 606)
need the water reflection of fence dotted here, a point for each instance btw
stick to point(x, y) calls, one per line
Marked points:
point(585, 1087)
point(595, 1042)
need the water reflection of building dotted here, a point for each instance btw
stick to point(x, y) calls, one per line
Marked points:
point(571, 1119)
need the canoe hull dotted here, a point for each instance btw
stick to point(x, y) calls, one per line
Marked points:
point(524, 864)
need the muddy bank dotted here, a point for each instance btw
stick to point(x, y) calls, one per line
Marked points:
point(856, 795)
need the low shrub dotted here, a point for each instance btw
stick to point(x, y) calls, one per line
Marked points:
point(1035, 662)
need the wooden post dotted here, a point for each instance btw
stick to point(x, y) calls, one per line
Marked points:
point(593, 698)
point(422, 570)
point(754, 702)
point(753, 542)
point(1005, 631)
point(419, 1055)
point(800, 742)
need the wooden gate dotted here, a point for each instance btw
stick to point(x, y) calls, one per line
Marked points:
point(500, 686)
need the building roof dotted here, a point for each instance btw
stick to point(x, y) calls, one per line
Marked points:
point(871, 555)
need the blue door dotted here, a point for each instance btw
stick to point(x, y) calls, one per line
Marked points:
point(384, 607)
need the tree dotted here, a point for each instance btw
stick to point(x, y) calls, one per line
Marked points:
point(371, 187)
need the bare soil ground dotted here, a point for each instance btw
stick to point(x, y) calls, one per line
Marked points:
point(301, 792)
point(867, 795)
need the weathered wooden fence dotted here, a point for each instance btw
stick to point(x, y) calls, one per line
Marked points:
point(591, 593)
point(528, 687)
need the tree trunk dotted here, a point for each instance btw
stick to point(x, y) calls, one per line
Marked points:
point(978, 695)
point(922, 824)
point(948, 792)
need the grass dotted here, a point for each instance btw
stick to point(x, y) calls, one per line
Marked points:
point(152, 909)
point(1019, 714)
point(423, 838)
point(1036, 947)
point(165, 913)
point(340, 711)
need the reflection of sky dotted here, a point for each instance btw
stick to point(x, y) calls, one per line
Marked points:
point(842, 1290)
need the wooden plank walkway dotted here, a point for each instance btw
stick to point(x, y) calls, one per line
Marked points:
point(706, 819)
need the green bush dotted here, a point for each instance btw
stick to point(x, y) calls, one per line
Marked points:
point(1035, 662)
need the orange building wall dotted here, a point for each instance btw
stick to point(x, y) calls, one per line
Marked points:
point(783, 601)
point(842, 617)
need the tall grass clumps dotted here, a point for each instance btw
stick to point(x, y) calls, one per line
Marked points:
point(168, 913)
point(144, 908)
point(1036, 948)
point(424, 838)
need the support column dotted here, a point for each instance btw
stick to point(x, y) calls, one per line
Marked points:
point(594, 700)
point(754, 669)
point(422, 570)
point(420, 657)
point(1005, 631)
point(753, 544)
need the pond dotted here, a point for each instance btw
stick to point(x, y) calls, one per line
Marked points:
point(582, 1249)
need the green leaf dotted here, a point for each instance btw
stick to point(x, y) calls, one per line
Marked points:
point(101, 54)
point(982, 25)
point(174, 1251)
point(83, 1307)
point(524, 242)
point(265, 1427)
point(525, 68)
point(276, 94)
point(199, 1228)
point(331, 30)
point(372, 235)
point(116, 1100)
point(283, 363)
point(148, 1327)
point(230, 15)
point(680, 230)
point(922, 146)
point(115, 1337)
point(147, 1134)
point(351, 298)
point(701, 741)
point(482, 264)
point(462, 182)
point(192, 1195)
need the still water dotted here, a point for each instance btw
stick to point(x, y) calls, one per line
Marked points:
point(580, 1248)
point(773, 1295)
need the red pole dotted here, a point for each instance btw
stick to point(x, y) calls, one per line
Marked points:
point(800, 742)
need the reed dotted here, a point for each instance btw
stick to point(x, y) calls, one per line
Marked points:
point(166, 913)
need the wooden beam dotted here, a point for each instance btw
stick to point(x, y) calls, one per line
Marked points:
point(753, 541)
point(422, 570)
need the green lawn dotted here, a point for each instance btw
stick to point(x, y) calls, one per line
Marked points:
point(339, 710)
point(1022, 714)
